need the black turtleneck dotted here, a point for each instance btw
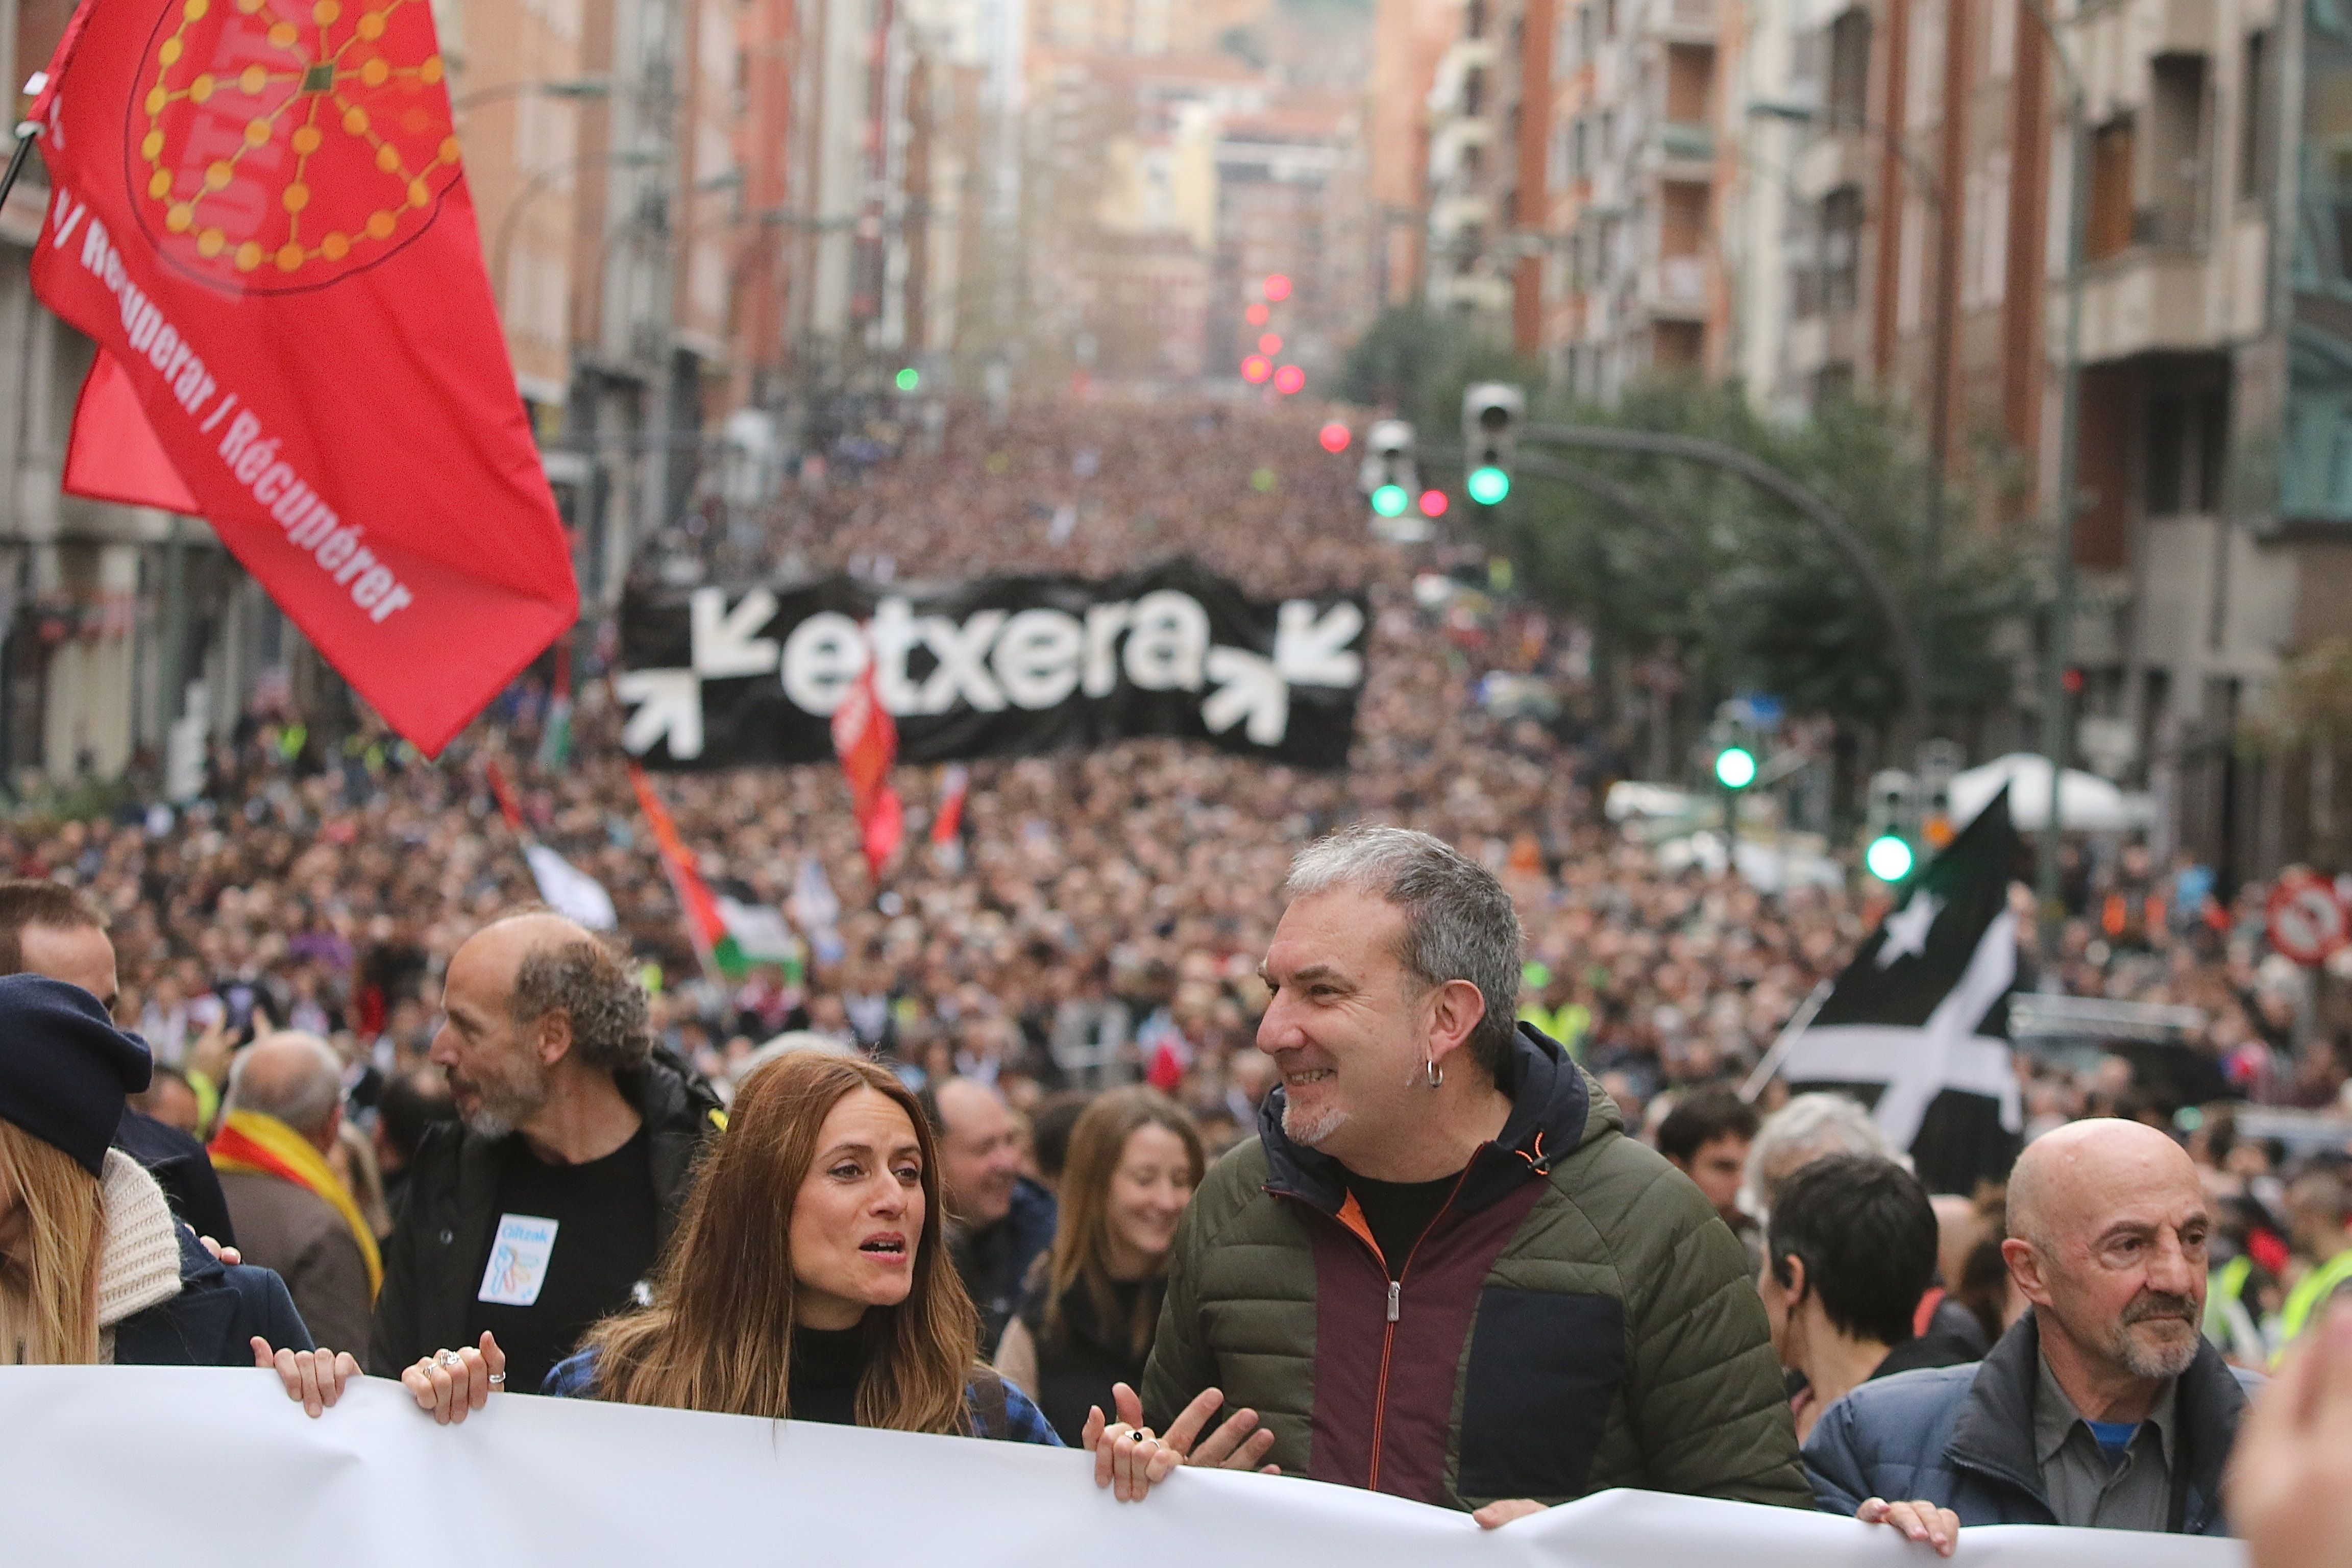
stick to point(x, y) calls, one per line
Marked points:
point(827, 1366)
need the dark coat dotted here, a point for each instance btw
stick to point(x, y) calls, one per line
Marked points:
point(1577, 1316)
point(432, 1262)
point(1962, 1437)
point(993, 1261)
point(213, 1319)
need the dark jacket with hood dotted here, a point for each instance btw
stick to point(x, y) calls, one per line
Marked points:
point(213, 1319)
point(1962, 1437)
point(433, 1263)
point(1575, 1318)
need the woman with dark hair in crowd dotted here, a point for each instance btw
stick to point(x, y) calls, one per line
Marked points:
point(1094, 1298)
point(841, 1307)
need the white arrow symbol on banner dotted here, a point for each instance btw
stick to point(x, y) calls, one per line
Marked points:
point(723, 643)
point(1311, 652)
point(670, 704)
point(1248, 687)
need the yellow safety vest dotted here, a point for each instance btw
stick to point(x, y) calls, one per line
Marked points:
point(2307, 1296)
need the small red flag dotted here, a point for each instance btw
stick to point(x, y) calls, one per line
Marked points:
point(706, 928)
point(265, 228)
point(952, 789)
point(866, 739)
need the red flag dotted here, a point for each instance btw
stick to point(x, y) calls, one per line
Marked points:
point(866, 739)
point(265, 226)
point(706, 928)
point(113, 454)
point(503, 793)
point(952, 788)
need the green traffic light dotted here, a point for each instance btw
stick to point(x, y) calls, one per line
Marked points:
point(909, 378)
point(1889, 858)
point(1735, 767)
point(1489, 485)
point(1390, 500)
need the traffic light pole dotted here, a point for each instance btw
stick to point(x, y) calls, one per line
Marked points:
point(1766, 478)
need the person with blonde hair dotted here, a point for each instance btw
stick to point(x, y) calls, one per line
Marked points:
point(1092, 1303)
point(94, 1269)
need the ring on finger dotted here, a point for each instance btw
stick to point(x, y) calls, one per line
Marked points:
point(445, 1358)
point(498, 1380)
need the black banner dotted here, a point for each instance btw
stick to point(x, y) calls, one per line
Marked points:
point(999, 667)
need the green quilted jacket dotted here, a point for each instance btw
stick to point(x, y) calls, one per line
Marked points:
point(1576, 1318)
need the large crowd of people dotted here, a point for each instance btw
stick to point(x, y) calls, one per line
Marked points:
point(473, 1143)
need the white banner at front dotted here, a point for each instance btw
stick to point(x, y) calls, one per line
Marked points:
point(111, 1467)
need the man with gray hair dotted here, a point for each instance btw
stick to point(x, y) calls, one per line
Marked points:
point(544, 1207)
point(293, 1214)
point(1441, 1269)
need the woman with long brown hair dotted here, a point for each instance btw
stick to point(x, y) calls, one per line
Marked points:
point(1086, 1321)
point(841, 1308)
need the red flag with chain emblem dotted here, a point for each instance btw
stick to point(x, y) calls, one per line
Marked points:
point(258, 212)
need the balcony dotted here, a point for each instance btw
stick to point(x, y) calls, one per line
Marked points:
point(1683, 21)
point(1682, 149)
point(1676, 288)
point(2149, 299)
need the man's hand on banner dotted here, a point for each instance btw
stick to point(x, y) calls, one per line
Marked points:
point(314, 1378)
point(1496, 1515)
point(453, 1383)
point(1238, 1444)
point(1921, 1521)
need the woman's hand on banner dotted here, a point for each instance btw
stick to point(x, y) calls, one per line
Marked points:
point(1132, 1459)
point(453, 1383)
point(314, 1378)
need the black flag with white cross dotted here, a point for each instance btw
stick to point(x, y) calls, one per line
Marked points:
point(1917, 1025)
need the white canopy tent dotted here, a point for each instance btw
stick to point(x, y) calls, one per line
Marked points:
point(2086, 803)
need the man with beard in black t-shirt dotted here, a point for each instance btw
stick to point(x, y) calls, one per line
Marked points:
point(544, 1209)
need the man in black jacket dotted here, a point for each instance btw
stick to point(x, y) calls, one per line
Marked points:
point(545, 1208)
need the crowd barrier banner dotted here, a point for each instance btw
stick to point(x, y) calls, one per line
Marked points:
point(134, 1466)
point(1011, 666)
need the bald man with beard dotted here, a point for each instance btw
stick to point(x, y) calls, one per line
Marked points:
point(2103, 1407)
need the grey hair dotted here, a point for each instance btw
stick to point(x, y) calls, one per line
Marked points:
point(302, 1100)
point(1812, 1126)
point(1458, 921)
point(612, 1026)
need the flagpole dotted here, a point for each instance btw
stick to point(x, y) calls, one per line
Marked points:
point(26, 131)
point(1787, 1041)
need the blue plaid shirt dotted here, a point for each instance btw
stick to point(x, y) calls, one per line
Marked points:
point(574, 1377)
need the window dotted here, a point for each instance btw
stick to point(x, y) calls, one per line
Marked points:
point(1842, 248)
point(1679, 345)
point(1690, 83)
point(1579, 165)
point(2111, 190)
point(1584, 32)
point(2257, 126)
point(1849, 95)
point(2177, 154)
point(2187, 440)
point(1474, 24)
point(1474, 91)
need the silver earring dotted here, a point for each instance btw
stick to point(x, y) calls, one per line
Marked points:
point(1436, 1073)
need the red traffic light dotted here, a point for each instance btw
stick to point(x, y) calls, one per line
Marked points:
point(1289, 379)
point(1334, 436)
point(1277, 286)
point(1256, 315)
point(1271, 343)
point(1256, 368)
point(1433, 503)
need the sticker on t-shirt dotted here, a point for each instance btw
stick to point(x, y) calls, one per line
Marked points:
point(519, 1260)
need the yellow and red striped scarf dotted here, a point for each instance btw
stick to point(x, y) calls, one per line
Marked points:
point(250, 1141)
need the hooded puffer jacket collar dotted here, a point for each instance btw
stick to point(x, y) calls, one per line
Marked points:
point(1554, 1111)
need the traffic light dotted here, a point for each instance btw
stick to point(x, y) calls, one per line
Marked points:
point(1491, 414)
point(1388, 479)
point(1938, 762)
point(1892, 813)
point(1289, 379)
point(1335, 436)
point(1735, 767)
point(909, 379)
point(1734, 740)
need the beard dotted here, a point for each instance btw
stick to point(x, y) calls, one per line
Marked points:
point(2144, 1357)
point(1311, 1128)
point(503, 1101)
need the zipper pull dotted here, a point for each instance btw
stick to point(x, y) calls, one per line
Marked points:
point(1396, 1287)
